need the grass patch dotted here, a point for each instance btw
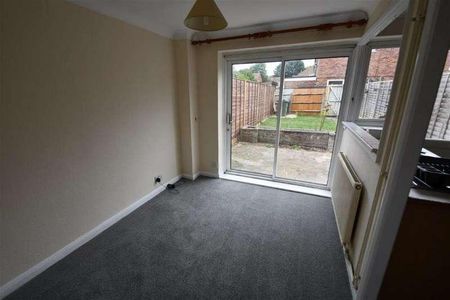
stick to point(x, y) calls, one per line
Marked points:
point(300, 122)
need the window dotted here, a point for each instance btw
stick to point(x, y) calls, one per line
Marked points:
point(378, 86)
point(439, 127)
point(283, 129)
point(335, 82)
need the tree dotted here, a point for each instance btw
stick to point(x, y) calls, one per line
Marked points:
point(261, 69)
point(277, 71)
point(244, 74)
point(291, 68)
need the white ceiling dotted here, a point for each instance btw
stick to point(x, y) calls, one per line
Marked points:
point(166, 17)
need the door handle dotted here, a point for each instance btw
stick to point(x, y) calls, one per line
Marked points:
point(229, 118)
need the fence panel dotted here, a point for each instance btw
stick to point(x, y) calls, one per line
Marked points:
point(251, 103)
point(376, 99)
point(307, 100)
point(439, 127)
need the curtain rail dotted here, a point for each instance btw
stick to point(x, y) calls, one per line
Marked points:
point(264, 34)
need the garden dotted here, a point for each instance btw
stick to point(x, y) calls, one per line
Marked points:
point(315, 123)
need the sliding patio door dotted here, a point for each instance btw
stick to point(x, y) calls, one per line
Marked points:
point(283, 116)
point(253, 98)
point(309, 117)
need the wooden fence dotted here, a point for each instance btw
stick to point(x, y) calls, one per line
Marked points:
point(307, 100)
point(251, 103)
point(315, 100)
point(376, 101)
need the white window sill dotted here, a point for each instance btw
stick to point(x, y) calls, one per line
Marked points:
point(363, 136)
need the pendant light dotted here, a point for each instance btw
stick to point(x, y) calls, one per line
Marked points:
point(205, 16)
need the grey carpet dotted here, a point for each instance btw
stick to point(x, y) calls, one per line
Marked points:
point(215, 239)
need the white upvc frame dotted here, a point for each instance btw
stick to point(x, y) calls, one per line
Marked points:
point(432, 52)
point(318, 50)
point(361, 55)
point(392, 42)
point(337, 79)
point(395, 9)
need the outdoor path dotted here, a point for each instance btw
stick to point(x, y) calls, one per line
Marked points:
point(298, 164)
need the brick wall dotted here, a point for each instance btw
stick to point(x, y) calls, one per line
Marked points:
point(382, 66)
point(330, 68)
point(383, 63)
point(306, 139)
point(300, 84)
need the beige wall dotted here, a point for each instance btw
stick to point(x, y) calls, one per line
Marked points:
point(187, 104)
point(208, 82)
point(88, 117)
point(183, 100)
point(193, 107)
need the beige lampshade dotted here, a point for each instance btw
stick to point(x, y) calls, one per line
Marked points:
point(205, 16)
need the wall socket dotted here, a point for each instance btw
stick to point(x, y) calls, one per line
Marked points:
point(157, 179)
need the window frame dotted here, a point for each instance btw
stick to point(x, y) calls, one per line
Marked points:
point(375, 44)
point(335, 84)
point(316, 50)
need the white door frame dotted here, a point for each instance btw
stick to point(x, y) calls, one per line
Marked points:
point(255, 56)
point(433, 49)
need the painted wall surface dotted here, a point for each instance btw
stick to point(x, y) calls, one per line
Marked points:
point(187, 106)
point(183, 100)
point(88, 117)
point(209, 82)
point(193, 106)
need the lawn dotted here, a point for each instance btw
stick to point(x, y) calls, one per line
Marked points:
point(300, 122)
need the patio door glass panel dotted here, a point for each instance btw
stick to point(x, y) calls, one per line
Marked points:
point(312, 94)
point(253, 96)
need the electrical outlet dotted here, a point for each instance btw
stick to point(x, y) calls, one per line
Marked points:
point(158, 179)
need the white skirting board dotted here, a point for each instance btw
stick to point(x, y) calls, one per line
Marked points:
point(32, 272)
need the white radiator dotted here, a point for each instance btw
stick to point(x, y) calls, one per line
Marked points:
point(345, 193)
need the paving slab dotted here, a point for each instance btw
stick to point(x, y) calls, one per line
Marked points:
point(293, 163)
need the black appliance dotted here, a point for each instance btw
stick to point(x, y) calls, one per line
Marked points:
point(433, 173)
